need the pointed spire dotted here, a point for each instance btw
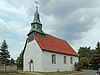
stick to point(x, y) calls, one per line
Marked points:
point(36, 16)
point(36, 26)
point(37, 9)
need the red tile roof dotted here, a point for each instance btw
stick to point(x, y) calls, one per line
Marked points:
point(50, 43)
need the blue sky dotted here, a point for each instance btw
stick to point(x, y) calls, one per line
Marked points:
point(76, 21)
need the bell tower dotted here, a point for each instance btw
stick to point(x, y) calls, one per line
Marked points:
point(36, 26)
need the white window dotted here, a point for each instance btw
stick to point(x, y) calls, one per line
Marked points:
point(53, 58)
point(64, 59)
point(71, 60)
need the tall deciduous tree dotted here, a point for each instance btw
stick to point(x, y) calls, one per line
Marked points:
point(4, 54)
point(85, 52)
point(96, 57)
point(88, 56)
point(85, 56)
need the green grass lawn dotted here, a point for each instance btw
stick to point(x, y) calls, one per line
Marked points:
point(42, 73)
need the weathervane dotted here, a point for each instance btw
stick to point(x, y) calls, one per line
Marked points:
point(36, 3)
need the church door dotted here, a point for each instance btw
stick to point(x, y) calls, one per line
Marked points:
point(31, 65)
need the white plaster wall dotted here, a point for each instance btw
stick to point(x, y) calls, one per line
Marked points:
point(48, 66)
point(33, 52)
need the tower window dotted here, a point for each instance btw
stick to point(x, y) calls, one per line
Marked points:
point(34, 26)
point(38, 27)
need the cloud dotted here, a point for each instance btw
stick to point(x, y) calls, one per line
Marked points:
point(75, 21)
point(15, 36)
point(60, 8)
point(72, 20)
point(3, 28)
point(13, 25)
point(90, 38)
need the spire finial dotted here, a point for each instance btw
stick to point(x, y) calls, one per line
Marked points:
point(36, 3)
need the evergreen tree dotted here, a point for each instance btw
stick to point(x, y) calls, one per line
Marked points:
point(4, 54)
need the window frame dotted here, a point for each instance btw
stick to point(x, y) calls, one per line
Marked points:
point(53, 58)
point(71, 60)
point(64, 59)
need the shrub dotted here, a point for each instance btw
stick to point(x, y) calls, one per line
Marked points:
point(78, 66)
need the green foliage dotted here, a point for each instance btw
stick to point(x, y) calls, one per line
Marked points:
point(85, 56)
point(85, 62)
point(96, 57)
point(19, 60)
point(12, 61)
point(98, 47)
point(4, 53)
point(85, 52)
point(78, 66)
point(90, 56)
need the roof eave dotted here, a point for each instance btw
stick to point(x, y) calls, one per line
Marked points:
point(61, 53)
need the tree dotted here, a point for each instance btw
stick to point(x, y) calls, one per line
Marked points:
point(85, 52)
point(78, 66)
point(96, 57)
point(98, 47)
point(85, 56)
point(12, 61)
point(88, 56)
point(4, 54)
point(84, 62)
point(0, 56)
point(19, 60)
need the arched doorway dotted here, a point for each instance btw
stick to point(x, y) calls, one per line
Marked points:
point(31, 65)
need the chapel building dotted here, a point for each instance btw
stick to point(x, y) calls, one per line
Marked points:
point(47, 53)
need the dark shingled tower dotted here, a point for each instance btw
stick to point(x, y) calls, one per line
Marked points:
point(36, 26)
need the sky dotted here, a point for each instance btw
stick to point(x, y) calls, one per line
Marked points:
point(76, 21)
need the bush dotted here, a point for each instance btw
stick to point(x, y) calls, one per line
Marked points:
point(78, 66)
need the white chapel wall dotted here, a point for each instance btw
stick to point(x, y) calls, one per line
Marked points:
point(48, 66)
point(42, 60)
point(33, 52)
